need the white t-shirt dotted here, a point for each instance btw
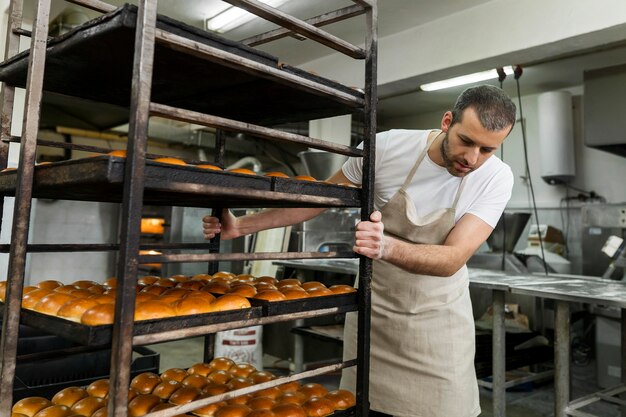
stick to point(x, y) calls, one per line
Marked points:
point(486, 190)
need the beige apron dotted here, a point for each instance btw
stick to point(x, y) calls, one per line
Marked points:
point(422, 332)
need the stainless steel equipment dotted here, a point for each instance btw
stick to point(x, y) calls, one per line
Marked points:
point(333, 230)
point(320, 164)
point(599, 221)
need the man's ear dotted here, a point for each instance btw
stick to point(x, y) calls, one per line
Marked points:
point(446, 121)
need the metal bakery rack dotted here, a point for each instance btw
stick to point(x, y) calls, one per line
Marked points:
point(168, 69)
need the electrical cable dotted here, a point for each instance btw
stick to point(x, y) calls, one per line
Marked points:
point(501, 78)
point(517, 74)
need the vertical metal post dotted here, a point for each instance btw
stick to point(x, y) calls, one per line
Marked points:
point(623, 363)
point(498, 359)
point(209, 347)
point(367, 206)
point(131, 209)
point(23, 195)
point(561, 358)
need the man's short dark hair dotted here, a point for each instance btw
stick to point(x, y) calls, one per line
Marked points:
point(494, 108)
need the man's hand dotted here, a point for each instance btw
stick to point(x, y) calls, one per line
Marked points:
point(370, 240)
point(228, 227)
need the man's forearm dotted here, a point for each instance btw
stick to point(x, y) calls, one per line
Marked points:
point(272, 218)
point(436, 260)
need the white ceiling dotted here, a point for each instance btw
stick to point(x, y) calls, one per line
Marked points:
point(395, 16)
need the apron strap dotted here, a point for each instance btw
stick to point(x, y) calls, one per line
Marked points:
point(431, 138)
point(458, 192)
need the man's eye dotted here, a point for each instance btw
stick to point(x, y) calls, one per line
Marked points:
point(487, 150)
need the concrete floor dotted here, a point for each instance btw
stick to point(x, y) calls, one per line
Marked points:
point(537, 401)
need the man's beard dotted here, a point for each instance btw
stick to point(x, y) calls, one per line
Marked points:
point(447, 161)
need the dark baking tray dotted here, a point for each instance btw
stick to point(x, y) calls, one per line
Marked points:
point(101, 178)
point(101, 335)
point(94, 61)
point(346, 302)
point(293, 186)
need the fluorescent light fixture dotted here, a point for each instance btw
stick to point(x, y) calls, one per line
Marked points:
point(235, 16)
point(465, 79)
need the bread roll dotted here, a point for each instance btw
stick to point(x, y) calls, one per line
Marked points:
point(101, 412)
point(192, 305)
point(27, 288)
point(88, 405)
point(261, 403)
point(341, 289)
point(341, 399)
point(202, 277)
point(3, 290)
point(201, 368)
point(292, 294)
point(170, 160)
point(150, 310)
point(166, 388)
point(291, 398)
point(74, 309)
point(30, 299)
point(195, 381)
point(120, 153)
point(222, 280)
point(142, 404)
point(99, 388)
point(261, 413)
point(110, 283)
point(276, 174)
point(144, 296)
point(49, 284)
point(179, 278)
point(55, 411)
point(318, 407)
point(209, 166)
point(190, 285)
point(288, 281)
point(174, 292)
point(17, 414)
point(292, 386)
point(65, 289)
point(241, 369)
point(262, 286)
point(245, 290)
point(242, 399)
point(31, 405)
point(221, 363)
point(208, 410)
point(242, 171)
point(153, 289)
point(266, 279)
point(261, 376)
point(233, 410)
point(104, 298)
point(145, 382)
point(312, 390)
point(239, 382)
point(51, 303)
point(213, 388)
point(230, 302)
point(174, 374)
point(81, 293)
point(312, 284)
point(164, 282)
point(165, 406)
point(220, 377)
point(270, 295)
point(223, 274)
point(69, 396)
point(272, 392)
point(84, 284)
point(184, 395)
point(216, 288)
point(304, 178)
point(99, 315)
point(289, 410)
point(201, 294)
point(96, 289)
point(319, 292)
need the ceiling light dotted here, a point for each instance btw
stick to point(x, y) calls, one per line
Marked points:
point(235, 16)
point(465, 79)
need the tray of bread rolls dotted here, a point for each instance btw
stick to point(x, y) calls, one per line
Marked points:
point(97, 57)
point(150, 392)
point(172, 181)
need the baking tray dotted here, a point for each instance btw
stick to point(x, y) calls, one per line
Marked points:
point(101, 178)
point(346, 302)
point(94, 61)
point(101, 335)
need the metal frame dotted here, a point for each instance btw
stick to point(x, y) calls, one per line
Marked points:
point(134, 182)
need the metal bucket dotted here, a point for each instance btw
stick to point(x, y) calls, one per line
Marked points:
point(320, 164)
point(510, 224)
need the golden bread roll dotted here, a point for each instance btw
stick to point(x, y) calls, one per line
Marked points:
point(164, 282)
point(195, 381)
point(291, 398)
point(31, 405)
point(99, 315)
point(292, 294)
point(120, 153)
point(184, 395)
point(304, 178)
point(74, 309)
point(155, 309)
point(216, 288)
point(320, 292)
point(242, 171)
point(261, 376)
point(270, 295)
point(103, 298)
point(147, 280)
point(272, 392)
point(223, 274)
point(312, 390)
point(245, 290)
point(88, 405)
point(233, 410)
point(292, 386)
point(219, 377)
point(81, 293)
point(30, 299)
point(262, 286)
point(276, 174)
point(102, 412)
point(110, 283)
point(179, 278)
point(99, 388)
point(341, 399)
point(242, 399)
point(201, 368)
point(312, 284)
point(213, 388)
point(222, 280)
point(202, 277)
point(239, 382)
point(153, 289)
point(174, 374)
point(142, 404)
point(96, 289)
point(341, 289)
point(3, 290)
point(289, 410)
point(145, 382)
point(170, 160)
point(69, 396)
point(242, 369)
point(51, 303)
point(230, 302)
point(27, 288)
point(166, 388)
point(318, 407)
point(55, 411)
point(49, 284)
point(261, 413)
point(66, 289)
point(144, 296)
point(84, 284)
point(261, 403)
point(209, 166)
point(208, 410)
point(192, 305)
point(288, 281)
point(221, 363)
point(173, 294)
point(190, 285)
point(266, 279)
point(201, 294)
point(165, 406)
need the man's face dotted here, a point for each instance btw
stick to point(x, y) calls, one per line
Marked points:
point(467, 144)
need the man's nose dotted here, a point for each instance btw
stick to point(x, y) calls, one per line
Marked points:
point(471, 156)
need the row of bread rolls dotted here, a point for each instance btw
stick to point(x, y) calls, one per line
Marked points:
point(151, 392)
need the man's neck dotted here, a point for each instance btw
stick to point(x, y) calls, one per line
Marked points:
point(434, 152)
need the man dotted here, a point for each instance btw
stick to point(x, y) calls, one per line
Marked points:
point(438, 196)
